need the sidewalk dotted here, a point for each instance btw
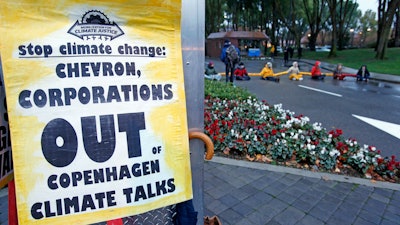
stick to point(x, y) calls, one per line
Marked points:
point(241, 192)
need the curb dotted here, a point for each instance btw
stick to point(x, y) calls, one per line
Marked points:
point(306, 173)
point(374, 76)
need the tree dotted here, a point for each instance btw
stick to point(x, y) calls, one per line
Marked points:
point(214, 16)
point(293, 18)
point(397, 28)
point(346, 15)
point(332, 10)
point(367, 25)
point(386, 11)
point(314, 13)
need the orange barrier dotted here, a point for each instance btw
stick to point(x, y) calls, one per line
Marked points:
point(283, 73)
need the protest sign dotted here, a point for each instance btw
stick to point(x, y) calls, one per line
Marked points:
point(97, 110)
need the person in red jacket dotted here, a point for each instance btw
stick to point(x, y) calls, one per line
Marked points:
point(316, 71)
point(241, 72)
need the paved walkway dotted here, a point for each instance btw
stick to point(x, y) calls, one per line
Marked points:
point(244, 193)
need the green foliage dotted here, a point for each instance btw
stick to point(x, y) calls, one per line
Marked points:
point(225, 90)
point(354, 58)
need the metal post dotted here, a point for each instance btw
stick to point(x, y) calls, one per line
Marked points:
point(193, 25)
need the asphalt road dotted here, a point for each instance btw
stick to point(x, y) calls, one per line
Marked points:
point(333, 103)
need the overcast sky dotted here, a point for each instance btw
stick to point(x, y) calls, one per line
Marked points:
point(364, 5)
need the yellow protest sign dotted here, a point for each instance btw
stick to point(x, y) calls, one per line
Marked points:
point(97, 110)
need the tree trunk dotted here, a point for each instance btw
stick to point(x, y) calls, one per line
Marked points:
point(332, 9)
point(397, 28)
point(383, 36)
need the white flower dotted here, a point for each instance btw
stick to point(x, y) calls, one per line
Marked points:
point(334, 152)
point(317, 126)
point(283, 135)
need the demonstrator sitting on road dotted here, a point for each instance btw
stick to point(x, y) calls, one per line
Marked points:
point(363, 73)
point(339, 74)
point(316, 72)
point(267, 73)
point(210, 72)
point(294, 72)
point(241, 72)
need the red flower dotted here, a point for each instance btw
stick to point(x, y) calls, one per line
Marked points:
point(273, 132)
point(336, 133)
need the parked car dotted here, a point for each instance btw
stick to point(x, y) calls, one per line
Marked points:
point(325, 48)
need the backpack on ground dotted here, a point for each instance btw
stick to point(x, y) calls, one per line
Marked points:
point(232, 54)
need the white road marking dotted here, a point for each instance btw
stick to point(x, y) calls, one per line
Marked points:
point(322, 91)
point(390, 128)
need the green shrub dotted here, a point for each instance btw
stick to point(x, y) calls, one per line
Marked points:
point(223, 90)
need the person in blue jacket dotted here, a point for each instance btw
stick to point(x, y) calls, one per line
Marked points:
point(230, 60)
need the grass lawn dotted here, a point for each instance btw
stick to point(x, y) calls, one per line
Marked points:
point(354, 58)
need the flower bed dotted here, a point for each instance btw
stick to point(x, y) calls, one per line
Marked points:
point(245, 127)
